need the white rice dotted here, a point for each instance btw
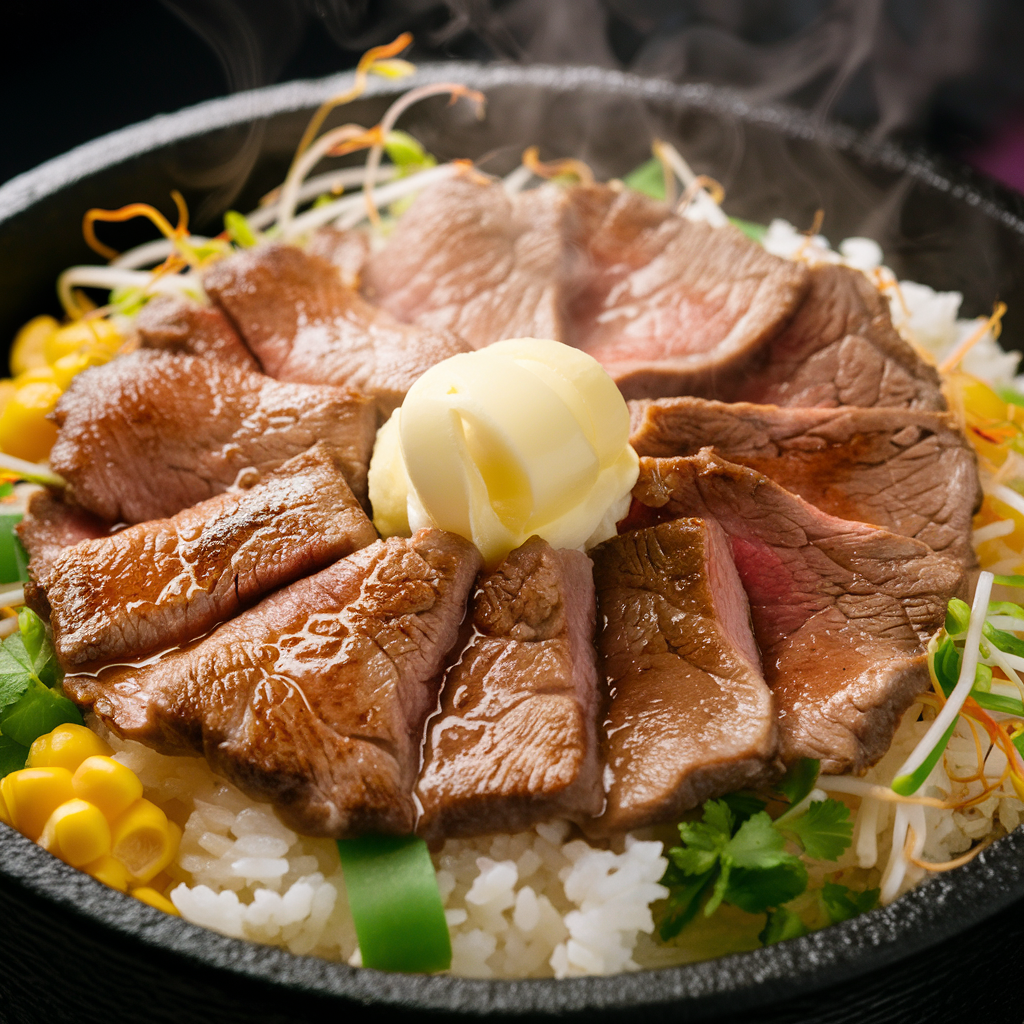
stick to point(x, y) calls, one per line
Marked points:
point(541, 903)
point(536, 904)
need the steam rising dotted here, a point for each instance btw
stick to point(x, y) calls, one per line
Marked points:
point(875, 63)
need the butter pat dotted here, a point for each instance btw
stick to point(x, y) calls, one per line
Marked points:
point(520, 438)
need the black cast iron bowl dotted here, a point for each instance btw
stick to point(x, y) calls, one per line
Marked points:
point(72, 949)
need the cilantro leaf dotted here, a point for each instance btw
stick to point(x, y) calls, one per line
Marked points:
point(743, 805)
point(824, 830)
point(756, 870)
point(14, 679)
point(39, 710)
point(682, 905)
point(841, 903)
point(757, 844)
point(695, 858)
point(721, 885)
point(799, 779)
point(704, 840)
point(782, 924)
point(717, 815)
point(12, 756)
point(38, 649)
point(757, 890)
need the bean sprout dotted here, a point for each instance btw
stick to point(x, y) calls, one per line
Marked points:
point(392, 114)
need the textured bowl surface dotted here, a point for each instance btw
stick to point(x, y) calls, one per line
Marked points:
point(71, 949)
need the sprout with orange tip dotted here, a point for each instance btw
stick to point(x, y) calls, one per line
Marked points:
point(557, 168)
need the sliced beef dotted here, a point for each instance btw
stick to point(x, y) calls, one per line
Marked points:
point(161, 583)
point(671, 306)
point(346, 251)
point(315, 698)
point(514, 742)
point(149, 434)
point(665, 304)
point(470, 259)
point(50, 525)
point(842, 611)
point(304, 324)
point(180, 325)
point(690, 716)
point(840, 349)
point(911, 472)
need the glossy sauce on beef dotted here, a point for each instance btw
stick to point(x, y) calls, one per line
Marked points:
point(152, 433)
point(163, 582)
point(842, 611)
point(514, 740)
point(911, 472)
point(315, 698)
point(690, 716)
point(304, 324)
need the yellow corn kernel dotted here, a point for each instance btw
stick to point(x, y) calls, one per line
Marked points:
point(82, 335)
point(24, 429)
point(66, 747)
point(155, 899)
point(7, 389)
point(37, 375)
point(27, 348)
point(144, 841)
point(77, 832)
point(69, 366)
point(110, 871)
point(33, 794)
point(112, 787)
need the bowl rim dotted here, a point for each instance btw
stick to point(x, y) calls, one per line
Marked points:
point(937, 910)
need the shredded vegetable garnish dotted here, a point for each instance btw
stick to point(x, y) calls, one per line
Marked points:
point(920, 763)
point(993, 325)
point(379, 60)
point(702, 183)
point(176, 235)
point(454, 89)
point(557, 168)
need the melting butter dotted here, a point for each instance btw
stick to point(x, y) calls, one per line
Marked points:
point(523, 437)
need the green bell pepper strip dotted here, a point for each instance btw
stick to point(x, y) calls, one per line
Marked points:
point(395, 903)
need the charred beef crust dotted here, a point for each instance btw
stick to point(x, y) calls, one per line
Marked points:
point(152, 433)
point(50, 525)
point(911, 472)
point(314, 699)
point(842, 611)
point(305, 325)
point(514, 742)
point(840, 349)
point(690, 716)
point(161, 583)
point(179, 325)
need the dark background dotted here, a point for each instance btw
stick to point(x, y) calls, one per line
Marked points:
point(946, 74)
